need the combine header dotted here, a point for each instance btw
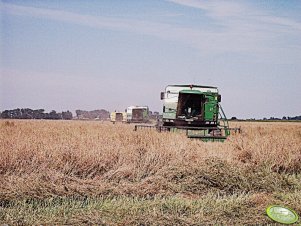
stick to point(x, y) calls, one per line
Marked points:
point(194, 110)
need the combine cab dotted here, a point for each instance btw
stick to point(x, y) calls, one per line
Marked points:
point(195, 110)
point(118, 117)
point(137, 114)
point(193, 106)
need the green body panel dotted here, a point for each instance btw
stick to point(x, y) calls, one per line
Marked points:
point(211, 109)
point(145, 114)
point(189, 91)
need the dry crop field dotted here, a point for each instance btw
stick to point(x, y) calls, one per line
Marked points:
point(81, 172)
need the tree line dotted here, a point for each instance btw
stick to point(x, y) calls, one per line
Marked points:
point(27, 113)
point(284, 118)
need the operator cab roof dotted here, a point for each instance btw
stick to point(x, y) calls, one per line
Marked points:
point(212, 87)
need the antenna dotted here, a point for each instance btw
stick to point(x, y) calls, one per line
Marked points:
point(193, 79)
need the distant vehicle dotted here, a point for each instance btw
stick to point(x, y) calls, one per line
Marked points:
point(137, 114)
point(118, 117)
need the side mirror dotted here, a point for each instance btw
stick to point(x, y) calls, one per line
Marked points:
point(162, 95)
point(219, 98)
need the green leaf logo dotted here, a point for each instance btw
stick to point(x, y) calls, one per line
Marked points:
point(282, 214)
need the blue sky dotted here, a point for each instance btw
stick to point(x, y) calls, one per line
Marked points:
point(111, 54)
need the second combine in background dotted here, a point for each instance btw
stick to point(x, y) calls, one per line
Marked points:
point(137, 114)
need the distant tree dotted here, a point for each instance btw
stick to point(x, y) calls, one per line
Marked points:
point(53, 115)
point(39, 114)
point(295, 118)
point(67, 115)
point(5, 114)
point(26, 113)
point(78, 113)
point(233, 118)
point(16, 113)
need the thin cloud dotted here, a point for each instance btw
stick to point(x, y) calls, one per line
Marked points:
point(160, 30)
point(221, 10)
point(214, 8)
point(243, 29)
point(247, 29)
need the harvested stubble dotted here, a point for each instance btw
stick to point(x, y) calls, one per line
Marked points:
point(90, 172)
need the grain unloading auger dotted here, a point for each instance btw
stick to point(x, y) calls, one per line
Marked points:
point(194, 110)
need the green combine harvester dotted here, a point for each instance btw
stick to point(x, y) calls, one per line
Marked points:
point(195, 110)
